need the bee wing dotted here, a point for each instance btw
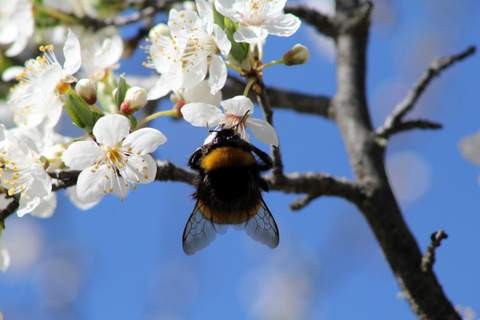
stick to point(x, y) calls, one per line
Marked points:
point(263, 228)
point(199, 232)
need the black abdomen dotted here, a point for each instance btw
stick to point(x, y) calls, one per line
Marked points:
point(230, 195)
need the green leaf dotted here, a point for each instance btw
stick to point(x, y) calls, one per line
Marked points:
point(82, 114)
point(121, 91)
point(133, 121)
point(218, 19)
point(239, 51)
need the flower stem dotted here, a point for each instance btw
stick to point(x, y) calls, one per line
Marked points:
point(250, 83)
point(273, 63)
point(166, 113)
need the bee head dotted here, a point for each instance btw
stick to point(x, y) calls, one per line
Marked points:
point(222, 134)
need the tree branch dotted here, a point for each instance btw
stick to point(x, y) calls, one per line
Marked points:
point(321, 22)
point(309, 183)
point(285, 99)
point(428, 258)
point(421, 289)
point(9, 210)
point(395, 119)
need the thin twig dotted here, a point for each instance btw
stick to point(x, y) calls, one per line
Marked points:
point(428, 258)
point(286, 99)
point(323, 23)
point(417, 124)
point(9, 210)
point(302, 202)
point(264, 101)
point(396, 118)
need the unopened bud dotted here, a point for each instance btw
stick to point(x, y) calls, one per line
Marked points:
point(86, 89)
point(158, 31)
point(299, 54)
point(135, 98)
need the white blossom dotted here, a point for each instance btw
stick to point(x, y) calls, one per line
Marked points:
point(22, 172)
point(116, 161)
point(191, 50)
point(258, 19)
point(101, 51)
point(16, 25)
point(36, 99)
point(236, 113)
point(199, 93)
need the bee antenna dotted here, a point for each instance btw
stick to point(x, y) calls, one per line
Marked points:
point(242, 119)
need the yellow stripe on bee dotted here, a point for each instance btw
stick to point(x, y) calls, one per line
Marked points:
point(226, 157)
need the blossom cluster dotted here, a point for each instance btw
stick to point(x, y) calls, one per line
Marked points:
point(192, 54)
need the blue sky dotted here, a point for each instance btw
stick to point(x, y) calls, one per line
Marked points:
point(123, 260)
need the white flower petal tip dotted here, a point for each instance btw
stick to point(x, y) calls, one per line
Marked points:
point(263, 131)
point(111, 129)
point(82, 154)
point(144, 141)
point(202, 114)
point(72, 53)
point(238, 106)
point(82, 205)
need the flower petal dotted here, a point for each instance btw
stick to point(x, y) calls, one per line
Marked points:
point(120, 186)
point(201, 93)
point(82, 154)
point(110, 49)
point(225, 7)
point(93, 183)
point(143, 141)
point(202, 114)
point(46, 207)
point(263, 131)
point(163, 86)
point(205, 10)
point(250, 34)
point(217, 74)
point(55, 107)
point(196, 71)
point(140, 169)
point(221, 40)
point(111, 129)
point(238, 106)
point(82, 205)
point(27, 204)
point(276, 7)
point(11, 73)
point(72, 53)
point(283, 25)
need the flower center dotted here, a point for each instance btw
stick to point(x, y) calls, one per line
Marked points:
point(114, 156)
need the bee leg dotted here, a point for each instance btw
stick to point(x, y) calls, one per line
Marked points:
point(194, 161)
point(267, 161)
point(263, 184)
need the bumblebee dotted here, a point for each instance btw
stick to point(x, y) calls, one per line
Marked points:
point(229, 192)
